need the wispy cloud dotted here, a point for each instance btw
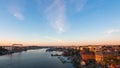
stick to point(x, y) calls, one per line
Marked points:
point(79, 4)
point(109, 32)
point(15, 7)
point(55, 11)
point(56, 15)
point(18, 15)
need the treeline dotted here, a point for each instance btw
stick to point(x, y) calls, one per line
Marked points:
point(3, 51)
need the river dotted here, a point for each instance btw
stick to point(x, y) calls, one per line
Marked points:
point(32, 59)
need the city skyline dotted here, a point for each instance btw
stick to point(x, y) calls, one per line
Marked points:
point(60, 22)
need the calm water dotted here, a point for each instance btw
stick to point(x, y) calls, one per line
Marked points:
point(32, 59)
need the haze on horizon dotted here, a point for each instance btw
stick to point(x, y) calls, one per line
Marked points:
point(60, 22)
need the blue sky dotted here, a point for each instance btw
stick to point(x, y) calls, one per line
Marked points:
point(60, 22)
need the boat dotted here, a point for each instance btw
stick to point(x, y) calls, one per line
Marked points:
point(65, 59)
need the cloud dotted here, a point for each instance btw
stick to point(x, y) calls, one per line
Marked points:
point(56, 15)
point(18, 15)
point(15, 7)
point(109, 32)
point(55, 11)
point(78, 4)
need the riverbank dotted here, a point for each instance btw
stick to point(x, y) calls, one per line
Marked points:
point(10, 49)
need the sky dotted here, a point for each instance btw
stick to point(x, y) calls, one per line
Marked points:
point(60, 22)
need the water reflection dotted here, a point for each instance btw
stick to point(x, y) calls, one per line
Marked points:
point(32, 59)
